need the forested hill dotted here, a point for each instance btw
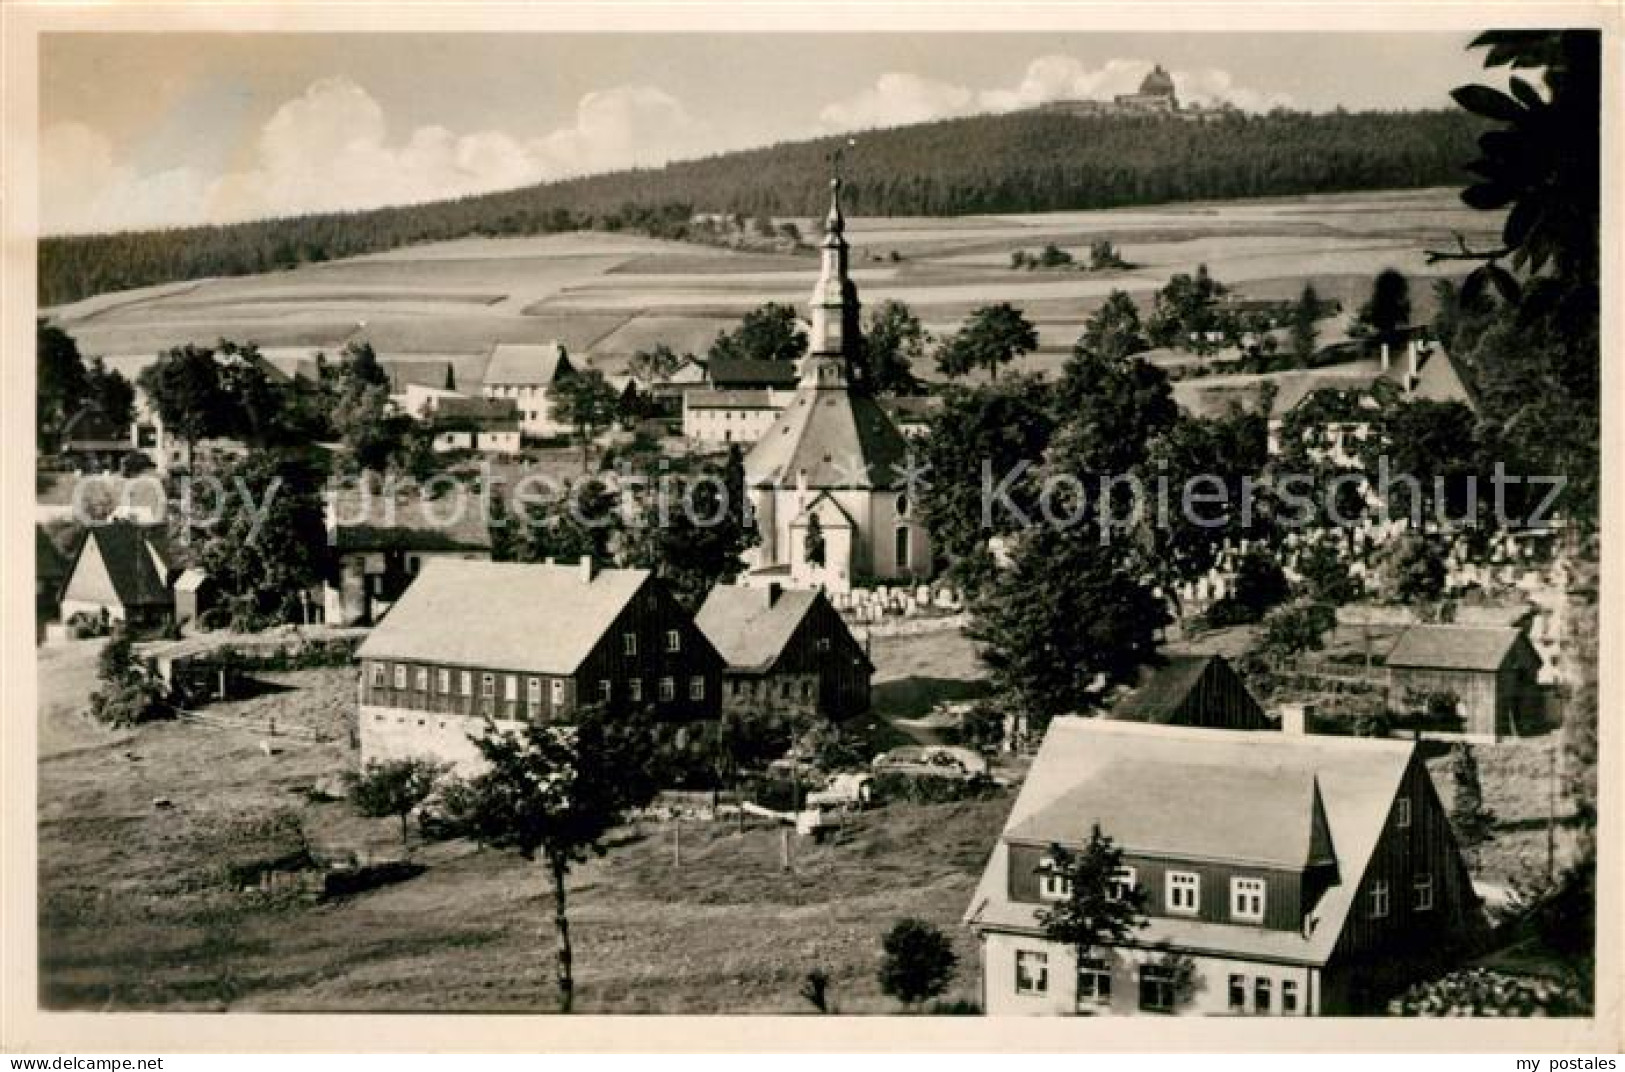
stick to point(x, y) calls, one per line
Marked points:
point(1021, 162)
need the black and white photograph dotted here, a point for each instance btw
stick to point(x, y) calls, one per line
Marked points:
point(822, 521)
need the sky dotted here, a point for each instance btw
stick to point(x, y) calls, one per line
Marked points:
point(145, 130)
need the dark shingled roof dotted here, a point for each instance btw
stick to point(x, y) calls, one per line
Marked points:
point(137, 558)
point(49, 564)
point(476, 412)
point(1453, 647)
point(743, 373)
point(1163, 690)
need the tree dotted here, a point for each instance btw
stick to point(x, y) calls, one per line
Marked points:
point(60, 379)
point(394, 787)
point(1389, 307)
point(1473, 823)
point(770, 332)
point(585, 402)
point(1065, 622)
point(1103, 256)
point(362, 418)
point(1305, 314)
point(1097, 909)
point(918, 964)
point(1297, 628)
point(1436, 444)
point(1114, 331)
point(1184, 308)
point(994, 335)
point(893, 340)
point(108, 390)
point(553, 792)
point(583, 522)
point(186, 390)
point(1414, 569)
point(1107, 410)
point(269, 546)
point(1326, 575)
point(656, 364)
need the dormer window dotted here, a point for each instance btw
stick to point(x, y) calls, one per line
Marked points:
point(1247, 900)
point(1184, 892)
point(1052, 884)
point(1123, 883)
point(1402, 812)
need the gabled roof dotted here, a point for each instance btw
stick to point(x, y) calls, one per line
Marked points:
point(1163, 690)
point(521, 617)
point(404, 373)
point(1444, 379)
point(460, 411)
point(830, 514)
point(731, 400)
point(1226, 778)
point(725, 373)
point(527, 364)
point(835, 438)
point(1453, 647)
point(137, 560)
point(49, 563)
point(409, 522)
point(751, 626)
point(92, 427)
point(1212, 396)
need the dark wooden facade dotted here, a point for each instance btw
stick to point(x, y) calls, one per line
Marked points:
point(1192, 690)
point(1492, 703)
point(679, 681)
point(821, 668)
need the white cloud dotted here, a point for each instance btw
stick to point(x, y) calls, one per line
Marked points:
point(897, 98)
point(329, 149)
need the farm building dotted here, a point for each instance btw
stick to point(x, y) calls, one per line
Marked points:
point(195, 592)
point(1492, 673)
point(833, 454)
point(489, 425)
point(734, 416)
point(1281, 874)
point(378, 554)
point(1193, 690)
point(517, 642)
point(750, 374)
point(523, 373)
point(786, 651)
point(124, 571)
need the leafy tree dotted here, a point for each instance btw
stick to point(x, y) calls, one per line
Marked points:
point(1473, 823)
point(186, 390)
point(1294, 629)
point(1259, 584)
point(1114, 331)
point(110, 392)
point(770, 332)
point(585, 402)
point(1064, 622)
point(268, 551)
point(696, 538)
point(581, 523)
point(1185, 307)
point(553, 792)
point(1107, 410)
point(1305, 315)
point(363, 419)
point(61, 384)
point(1414, 569)
point(394, 787)
point(1389, 307)
point(254, 405)
point(994, 335)
point(1437, 444)
point(1096, 910)
point(1002, 426)
point(919, 962)
point(893, 340)
point(655, 364)
point(1326, 575)
point(1103, 256)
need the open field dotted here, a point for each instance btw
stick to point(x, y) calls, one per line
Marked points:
point(605, 295)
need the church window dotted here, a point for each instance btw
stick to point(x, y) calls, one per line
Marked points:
point(902, 546)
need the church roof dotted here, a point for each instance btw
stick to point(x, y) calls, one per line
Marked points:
point(1158, 83)
point(836, 438)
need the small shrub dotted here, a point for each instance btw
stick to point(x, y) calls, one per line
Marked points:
point(930, 789)
point(918, 964)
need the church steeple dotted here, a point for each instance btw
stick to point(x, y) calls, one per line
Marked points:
point(834, 307)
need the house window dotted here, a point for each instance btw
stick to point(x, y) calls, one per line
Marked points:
point(1402, 811)
point(1052, 885)
point(400, 676)
point(784, 690)
point(1124, 880)
point(634, 690)
point(605, 690)
point(377, 675)
point(806, 690)
point(1094, 984)
point(488, 685)
point(901, 546)
point(1422, 892)
point(1156, 988)
point(824, 644)
point(1261, 995)
point(1247, 899)
point(668, 689)
point(902, 505)
point(1238, 993)
point(1379, 899)
point(1032, 972)
point(557, 692)
point(1289, 995)
point(465, 683)
point(674, 640)
point(443, 685)
point(533, 694)
point(510, 688)
point(696, 688)
point(629, 643)
point(1184, 891)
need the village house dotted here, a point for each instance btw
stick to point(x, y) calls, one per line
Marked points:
point(147, 433)
point(375, 557)
point(742, 416)
point(123, 571)
point(1282, 874)
point(486, 425)
point(1192, 690)
point(750, 374)
point(524, 372)
point(89, 440)
point(1491, 673)
point(829, 480)
point(786, 651)
point(516, 643)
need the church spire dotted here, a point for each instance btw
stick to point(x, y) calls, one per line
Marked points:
point(834, 335)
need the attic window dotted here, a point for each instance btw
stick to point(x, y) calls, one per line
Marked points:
point(1402, 812)
point(1247, 900)
point(1052, 884)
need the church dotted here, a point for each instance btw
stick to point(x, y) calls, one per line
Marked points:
point(829, 481)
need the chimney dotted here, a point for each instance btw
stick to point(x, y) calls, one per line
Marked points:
point(774, 591)
point(588, 569)
point(1295, 717)
point(1387, 359)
